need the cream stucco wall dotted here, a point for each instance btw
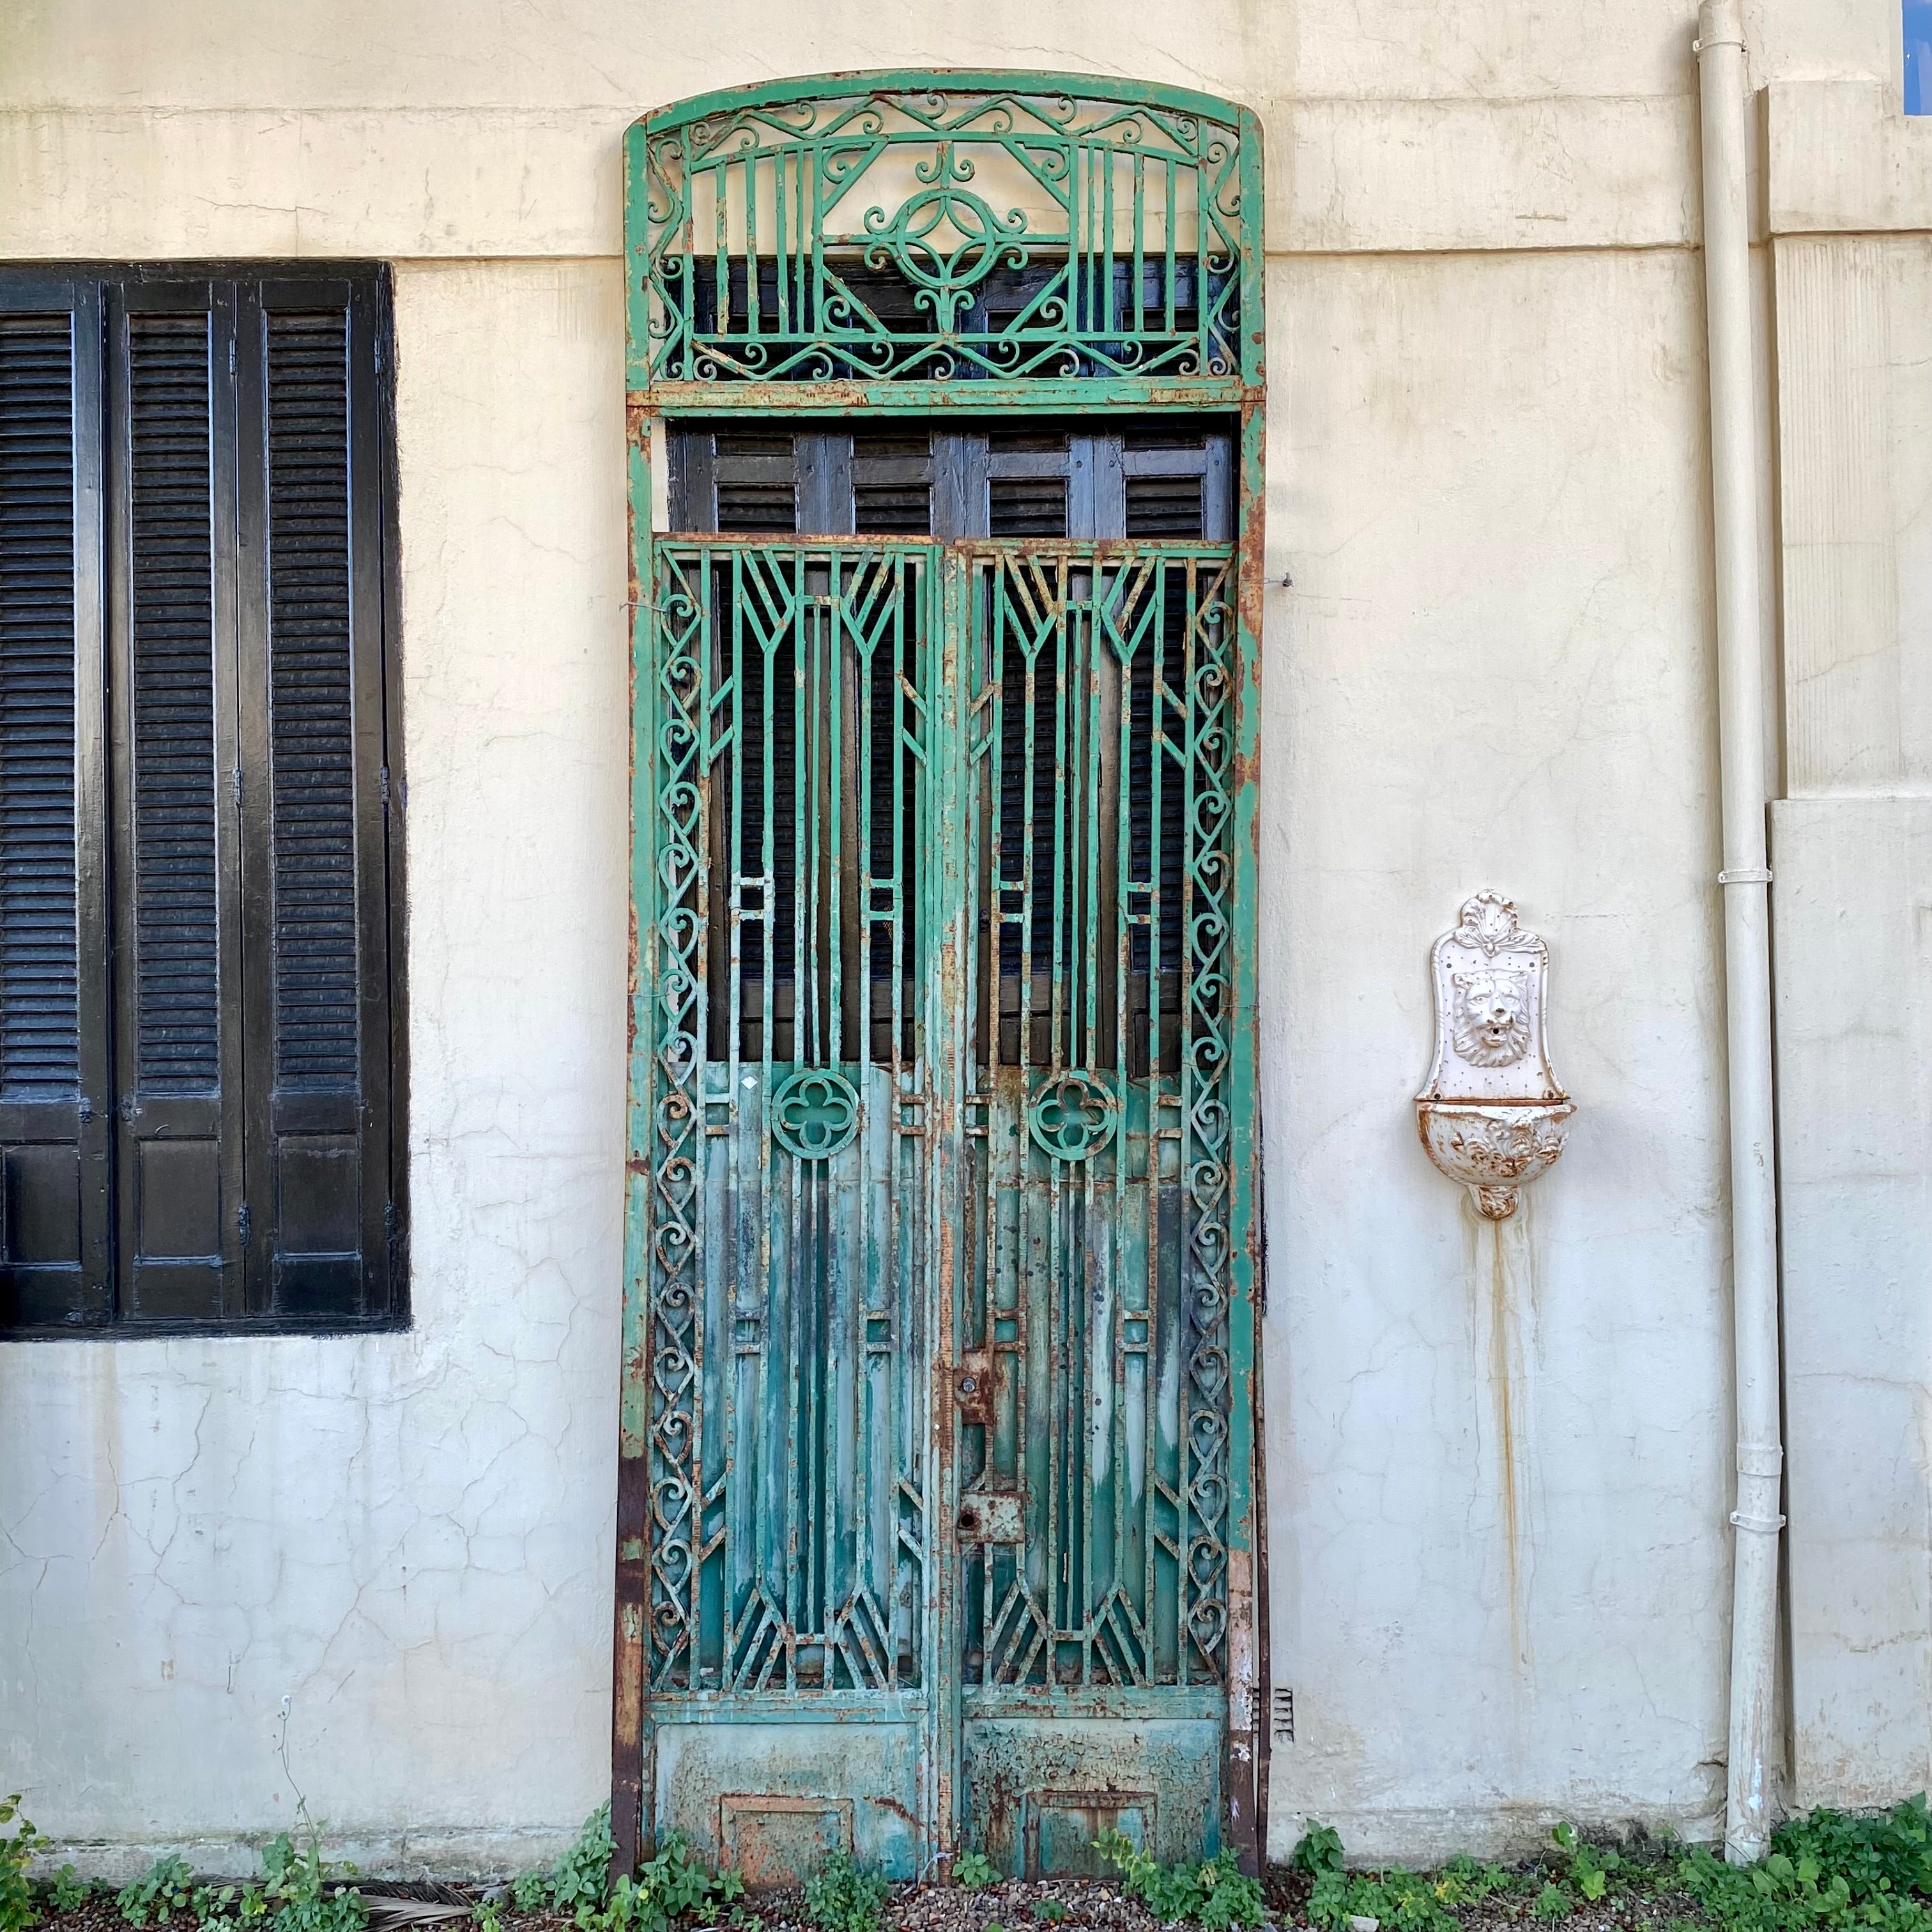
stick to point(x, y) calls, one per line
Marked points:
point(406, 1535)
point(1496, 1462)
point(1500, 1594)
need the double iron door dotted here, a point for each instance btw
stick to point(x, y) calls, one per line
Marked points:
point(937, 1401)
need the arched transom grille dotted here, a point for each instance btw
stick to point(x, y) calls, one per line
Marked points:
point(941, 235)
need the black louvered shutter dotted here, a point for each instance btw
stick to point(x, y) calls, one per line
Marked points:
point(54, 1234)
point(198, 1097)
point(318, 1011)
point(177, 858)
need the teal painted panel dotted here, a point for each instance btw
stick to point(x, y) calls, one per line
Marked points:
point(1039, 1790)
point(1095, 1305)
point(770, 1797)
point(792, 1237)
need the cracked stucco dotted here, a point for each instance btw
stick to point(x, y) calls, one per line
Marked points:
point(1487, 482)
point(407, 1535)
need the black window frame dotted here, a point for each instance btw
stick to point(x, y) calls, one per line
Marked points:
point(262, 1285)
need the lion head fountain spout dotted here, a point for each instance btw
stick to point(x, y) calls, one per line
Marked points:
point(1492, 1115)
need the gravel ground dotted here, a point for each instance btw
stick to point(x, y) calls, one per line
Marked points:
point(1011, 1907)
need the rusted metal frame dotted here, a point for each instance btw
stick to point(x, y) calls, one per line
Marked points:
point(629, 1743)
point(1037, 396)
point(1085, 695)
point(1159, 1335)
point(1185, 1290)
point(853, 741)
point(791, 1599)
point(952, 896)
point(1129, 1703)
point(732, 1209)
point(1121, 653)
point(1247, 1689)
point(839, 84)
point(1062, 1436)
point(1119, 662)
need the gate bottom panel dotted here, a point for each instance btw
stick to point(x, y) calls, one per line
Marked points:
point(1039, 1790)
point(769, 1797)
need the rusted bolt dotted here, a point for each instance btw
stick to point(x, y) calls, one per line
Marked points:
point(968, 1384)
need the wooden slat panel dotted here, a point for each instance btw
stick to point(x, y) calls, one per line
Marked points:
point(40, 985)
point(54, 1246)
point(312, 700)
point(177, 1007)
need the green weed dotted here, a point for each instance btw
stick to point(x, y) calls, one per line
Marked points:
point(1405, 1901)
point(673, 1884)
point(16, 1847)
point(1829, 1870)
point(1319, 1849)
point(1211, 1892)
point(302, 1891)
point(167, 1887)
point(839, 1897)
point(973, 1870)
point(1591, 1867)
point(66, 1890)
point(580, 1878)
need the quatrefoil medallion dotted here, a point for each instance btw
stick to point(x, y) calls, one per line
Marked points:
point(815, 1113)
point(1073, 1116)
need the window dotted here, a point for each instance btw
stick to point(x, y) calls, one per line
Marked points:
point(1918, 56)
point(200, 1059)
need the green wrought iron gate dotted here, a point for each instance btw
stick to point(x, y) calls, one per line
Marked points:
point(936, 1522)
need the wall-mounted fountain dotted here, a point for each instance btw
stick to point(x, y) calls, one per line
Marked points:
point(1492, 1115)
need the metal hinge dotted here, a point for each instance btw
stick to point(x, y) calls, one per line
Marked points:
point(382, 781)
point(241, 1223)
point(1284, 1714)
point(235, 783)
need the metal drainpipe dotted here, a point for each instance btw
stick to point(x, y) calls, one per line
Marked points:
point(1746, 883)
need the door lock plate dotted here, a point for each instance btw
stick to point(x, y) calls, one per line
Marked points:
point(972, 1389)
point(993, 1515)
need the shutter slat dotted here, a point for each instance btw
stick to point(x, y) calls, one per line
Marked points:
point(40, 1044)
point(177, 1033)
point(311, 699)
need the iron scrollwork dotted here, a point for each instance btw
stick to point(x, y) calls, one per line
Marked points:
point(943, 235)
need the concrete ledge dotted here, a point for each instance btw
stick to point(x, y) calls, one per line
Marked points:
point(442, 1852)
point(1844, 158)
point(95, 185)
point(1422, 1837)
point(1345, 176)
point(1576, 172)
